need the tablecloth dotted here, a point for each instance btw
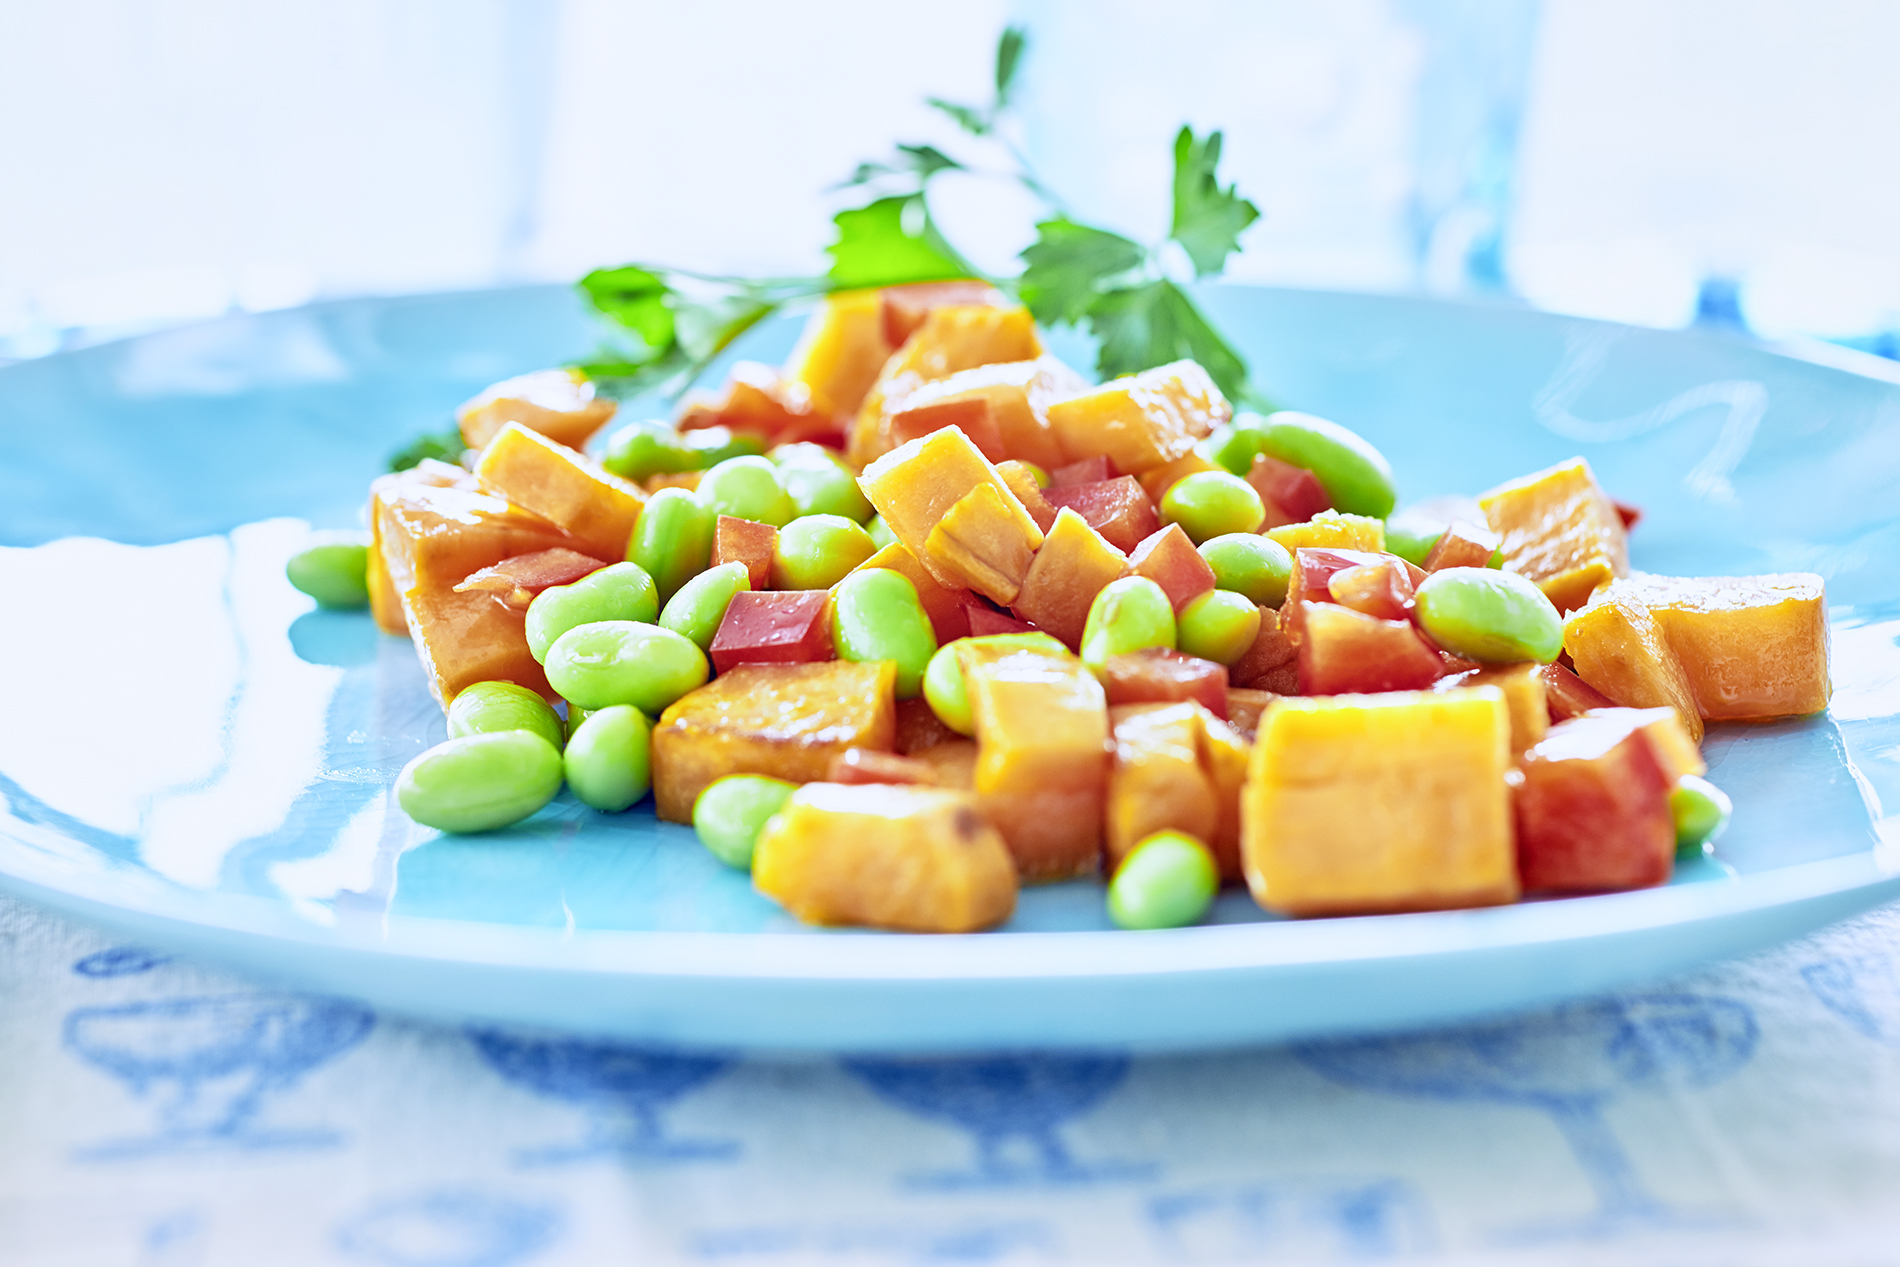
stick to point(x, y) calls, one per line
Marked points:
point(153, 1111)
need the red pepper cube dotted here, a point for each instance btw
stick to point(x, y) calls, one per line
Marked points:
point(1169, 559)
point(1463, 545)
point(970, 413)
point(1293, 491)
point(1566, 695)
point(1311, 580)
point(774, 627)
point(1272, 663)
point(518, 581)
point(1377, 589)
point(749, 542)
point(1160, 676)
point(987, 620)
point(1593, 810)
point(1347, 652)
point(1096, 470)
point(1117, 508)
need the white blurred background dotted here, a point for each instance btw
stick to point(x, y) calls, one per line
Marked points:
point(1721, 161)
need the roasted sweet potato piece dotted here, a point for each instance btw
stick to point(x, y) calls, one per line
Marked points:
point(914, 859)
point(1292, 494)
point(841, 351)
point(866, 765)
point(1022, 482)
point(515, 582)
point(1559, 528)
point(774, 627)
point(1156, 481)
point(385, 600)
point(1156, 782)
point(1524, 697)
point(749, 542)
point(916, 485)
point(952, 338)
point(1116, 508)
point(968, 414)
point(466, 638)
point(1462, 545)
point(439, 534)
point(904, 308)
point(1593, 809)
point(1333, 530)
point(1381, 589)
point(1016, 396)
point(1169, 559)
point(1224, 754)
point(563, 487)
point(757, 400)
point(1366, 803)
point(1244, 707)
point(1141, 421)
point(1042, 764)
point(944, 606)
point(1272, 663)
point(1074, 564)
point(984, 542)
point(1160, 676)
point(784, 720)
point(1619, 649)
point(918, 727)
point(1343, 651)
point(1752, 647)
point(559, 404)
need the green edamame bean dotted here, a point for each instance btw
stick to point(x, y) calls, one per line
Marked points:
point(1219, 625)
point(624, 662)
point(731, 812)
point(334, 571)
point(576, 715)
point(480, 782)
point(943, 678)
point(746, 488)
point(1128, 615)
point(1490, 616)
point(487, 707)
point(672, 539)
point(881, 534)
point(876, 615)
point(816, 551)
point(1209, 504)
point(1250, 565)
point(620, 591)
point(606, 761)
point(712, 445)
point(1166, 881)
point(644, 449)
point(1701, 810)
point(819, 484)
point(1355, 475)
point(1234, 445)
point(695, 612)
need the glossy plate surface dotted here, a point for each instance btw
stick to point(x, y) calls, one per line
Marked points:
point(190, 754)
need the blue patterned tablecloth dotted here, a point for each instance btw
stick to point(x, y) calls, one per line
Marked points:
point(154, 1112)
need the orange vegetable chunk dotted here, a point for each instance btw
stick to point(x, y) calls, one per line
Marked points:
point(1015, 396)
point(1462, 545)
point(1169, 559)
point(1156, 481)
point(515, 582)
point(968, 414)
point(1074, 564)
point(952, 338)
point(1566, 695)
point(1093, 470)
point(1224, 755)
point(985, 620)
point(1559, 528)
point(1042, 755)
point(982, 543)
point(385, 600)
point(1752, 647)
point(914, 859)
point(1272, 663)
point(1359, 804)
point(915, 486)
point(1333, 530)
point(559, 404)
point(1142, 421)
point(1342, 650)
point(1292, 494)
point(469, 637)
point(775, 627)
point(1524, 697)
point(1244, 707)
point(1619, 649)
point(757, 400)
point(563, 487)
point(841, 351)
point(1156, 782)
point(440, 534)
point(1116, 508)
point(1383, 589)
point(749, 542)
point(904, 308)
point(1593, 810)
point(783, 720)
point(1022, 482)
point(918, 727)
point(867, 765)
point(942, 604)
point(1157, 675)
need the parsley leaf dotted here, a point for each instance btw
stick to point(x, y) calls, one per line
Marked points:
point(889, 243)
point(678, 321)
point(920, 161)
point(972, 119)
point(1064, 268)
point(443, 446)
point(1140, 327)
point(1208, 220)
point(1009, 57)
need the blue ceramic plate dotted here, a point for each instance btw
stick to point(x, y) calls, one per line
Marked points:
point(191, 755)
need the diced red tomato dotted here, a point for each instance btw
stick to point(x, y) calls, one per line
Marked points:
point(1087, 471)
point(1566, 695)
point(985, 620)
point(1593, 809)
point(1378, 589)
point(1160, 676)
point(515, 582)
point(1117, 508)
point(1169, 559)
point(1343, 651)
point(1293, 490)
point(1463, 545)
point(749, 542)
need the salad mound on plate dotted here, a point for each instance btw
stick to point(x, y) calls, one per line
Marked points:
point(923, 615)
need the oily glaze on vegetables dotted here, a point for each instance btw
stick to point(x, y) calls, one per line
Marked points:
point(970, 622)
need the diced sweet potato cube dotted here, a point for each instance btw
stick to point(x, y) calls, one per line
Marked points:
point(1022, 482)
point(559, 404)
point(1367, 803)
point(841, 351)
point(953, 763)
point(1618, 648)
point(1559, 528)
point(984, 542)
point(1244, 707)
point(439, 534)
point(466, 638)
point(1566, 695)
point(774, 627)
point(1042, 755)
point(942, 604)
point(914, 859)
point(1292, 494)
point(1157, 675)
point(1141, 421)
point(1156, 782)
point(867, 765)
point(1752, 647)
point(1158, 480)
point(1593, 810)
point(749, 542)
point(1523, 687)
point(385, 600)
point(1224, 754)
point(905, 307)
point(985, 620)
point(783, 720)
point(1342, 651)
point(1381, 589)
point(916, 485)
point(1169, 559)
point(1074, 565)
point(1674, 749)
point(952, 338)
point(563, 487)
point(1116, 508)
point(1335, 530)
point(968, 414)
point(1016, 395)
point(1087, 471)
point(1462, 545)
point(918, 727)
point(515, 582)
point(758, 401)
point(1272, 663)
